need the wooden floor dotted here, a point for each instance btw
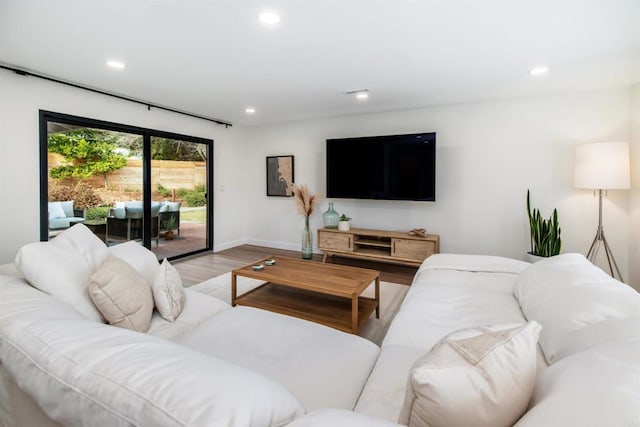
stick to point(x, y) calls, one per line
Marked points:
point(197, 268)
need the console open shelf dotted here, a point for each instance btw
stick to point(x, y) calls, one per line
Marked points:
point(388, 246)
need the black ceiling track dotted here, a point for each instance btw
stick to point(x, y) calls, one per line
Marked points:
point(149, 105)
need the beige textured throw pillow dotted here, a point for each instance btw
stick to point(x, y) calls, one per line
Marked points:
point(481, 377)
point(123, 297)
point(168, 292)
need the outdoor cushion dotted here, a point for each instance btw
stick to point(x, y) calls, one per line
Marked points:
point(170, 206)
point(67, 207)
point(55, 210)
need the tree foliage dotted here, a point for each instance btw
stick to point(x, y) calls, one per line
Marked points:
point(87, 152)
point(173, 149)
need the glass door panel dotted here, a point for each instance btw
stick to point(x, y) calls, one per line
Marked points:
point(95, 177)
point(179, 195)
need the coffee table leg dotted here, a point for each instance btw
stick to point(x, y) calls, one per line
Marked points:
point(354, 314)
point(324, 258)
point(234, 289)
point(378, 297)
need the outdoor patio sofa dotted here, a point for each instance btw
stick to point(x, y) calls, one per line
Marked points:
point(62, 215)
point(125, 221)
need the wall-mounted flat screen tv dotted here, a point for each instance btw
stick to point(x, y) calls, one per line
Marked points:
point(394, 167)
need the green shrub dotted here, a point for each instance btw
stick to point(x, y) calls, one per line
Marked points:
point(164, 191)
point(195, 198)
point(182, 192)
point(83, 194)
point(98, 212)
point(201, 188)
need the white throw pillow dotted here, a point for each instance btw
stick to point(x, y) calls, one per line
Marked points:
point(122, 295)
point(62, 267)
point(566, 293)
point(168, 292)
point(481, 377)
point(137, 256)
point(55, 210)
point(88, 374)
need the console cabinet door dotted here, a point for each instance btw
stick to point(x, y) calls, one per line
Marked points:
point(335, 241)
point(412, 249)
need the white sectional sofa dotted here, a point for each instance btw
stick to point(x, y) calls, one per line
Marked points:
point(218, 366)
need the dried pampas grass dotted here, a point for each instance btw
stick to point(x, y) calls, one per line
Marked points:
point(306, 203)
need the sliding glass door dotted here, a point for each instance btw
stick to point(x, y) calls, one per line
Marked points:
point(125, 184)
point(179, 194)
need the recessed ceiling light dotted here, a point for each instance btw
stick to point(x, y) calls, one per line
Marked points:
point(270, 18)
point(362, 95)
point(116, 64)
point(250, 110)
point(539, 71)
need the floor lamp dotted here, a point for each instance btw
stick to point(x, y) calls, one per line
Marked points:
point(602, 166)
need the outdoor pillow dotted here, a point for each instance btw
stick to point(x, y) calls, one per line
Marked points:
point(55, 210)
point(168, 292)
point(123, 297)
point(67, 207)
point(481, 377)
point(62, 267)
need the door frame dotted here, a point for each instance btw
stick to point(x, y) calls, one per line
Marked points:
point(146, 133)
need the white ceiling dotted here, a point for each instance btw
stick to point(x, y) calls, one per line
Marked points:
point(215, 58)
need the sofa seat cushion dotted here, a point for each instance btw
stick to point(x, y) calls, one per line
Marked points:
point(197, 309)
point(65, 222)
point(339, 418)
point(88, 373)
point(322, 367)
point(63, 267)
point(566, 293)
point(441, 301)
point(596, 387)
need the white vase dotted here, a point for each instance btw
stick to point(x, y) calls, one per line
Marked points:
point(343, 226)
point(529, 257)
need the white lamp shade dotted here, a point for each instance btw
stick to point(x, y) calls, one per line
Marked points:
point(602, 166)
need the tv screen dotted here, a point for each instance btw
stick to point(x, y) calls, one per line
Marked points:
point(394, 167)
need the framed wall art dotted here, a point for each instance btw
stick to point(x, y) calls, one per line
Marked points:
point(280, 176)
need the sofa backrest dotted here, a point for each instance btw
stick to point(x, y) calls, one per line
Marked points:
point(567, 293)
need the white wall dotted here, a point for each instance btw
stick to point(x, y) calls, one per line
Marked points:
point(488, 155)
point(20, 100)
point(634, 201)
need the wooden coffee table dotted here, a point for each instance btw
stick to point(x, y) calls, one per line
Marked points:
point(323, 293)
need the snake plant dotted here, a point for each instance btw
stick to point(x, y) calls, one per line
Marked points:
point(545, 233)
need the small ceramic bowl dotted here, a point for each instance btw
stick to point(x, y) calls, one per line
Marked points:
point(258, 267)
point(270, 262)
